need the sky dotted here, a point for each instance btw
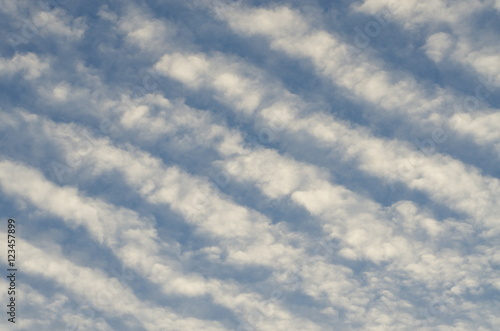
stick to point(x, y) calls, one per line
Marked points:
point(251, 165)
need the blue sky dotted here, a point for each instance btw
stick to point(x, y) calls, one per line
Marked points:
point(252, 165)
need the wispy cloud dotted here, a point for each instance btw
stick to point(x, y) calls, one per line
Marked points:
point(419, 169)
point(169, 171)
point(392, 93)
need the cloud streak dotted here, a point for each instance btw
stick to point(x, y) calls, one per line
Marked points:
point(170, 170)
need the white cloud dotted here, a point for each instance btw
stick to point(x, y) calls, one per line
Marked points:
point(53, 312)
point(438, 46)
point(385, 248)
point(337, 257)
point(413, 13)
point(236, 228)
point(417, 169)
point(185, 69)
point(475, 49)
point(58, 23)
point(141, 29)
point(103, 293)
point(29, 64)
point(364, 234)
point(393, 93)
